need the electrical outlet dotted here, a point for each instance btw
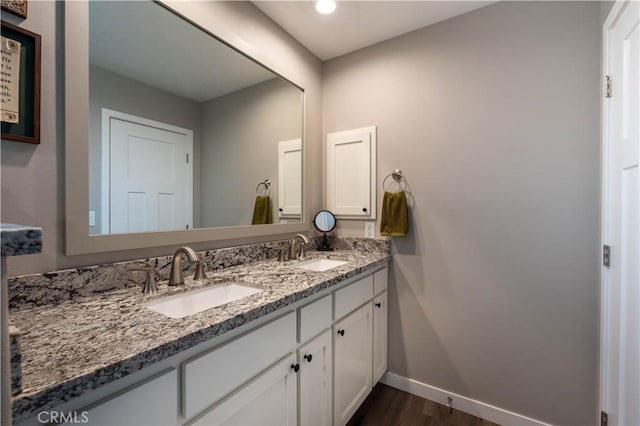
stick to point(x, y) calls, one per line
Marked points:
point(92, 218)
point(370, 230)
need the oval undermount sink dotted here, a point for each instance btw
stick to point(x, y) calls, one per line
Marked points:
point(190, 303)
point(321, 265)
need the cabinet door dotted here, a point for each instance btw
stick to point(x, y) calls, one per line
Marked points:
point(152, 402)
point(316, 375)
point(269, 399)
point(352, 363)
point(290, 179)
point(351, 173)
point(380, 313)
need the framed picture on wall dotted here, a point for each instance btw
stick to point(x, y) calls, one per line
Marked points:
point(20, 71)
point(17, 7)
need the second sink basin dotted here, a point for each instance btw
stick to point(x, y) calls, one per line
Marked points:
point(321, 265)
point(185, 304)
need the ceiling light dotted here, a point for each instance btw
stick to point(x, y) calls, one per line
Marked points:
point(325, 6)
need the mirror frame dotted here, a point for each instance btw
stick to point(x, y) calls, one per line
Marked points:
point(76, 90)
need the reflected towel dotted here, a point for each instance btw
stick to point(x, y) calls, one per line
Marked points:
point(395, 216)
point(262, 213)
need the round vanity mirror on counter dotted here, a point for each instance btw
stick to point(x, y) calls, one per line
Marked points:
point(324, 221)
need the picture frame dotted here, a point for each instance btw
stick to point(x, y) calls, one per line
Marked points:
point(21, 61)
point(17, 7)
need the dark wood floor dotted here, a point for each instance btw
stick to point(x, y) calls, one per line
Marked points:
point(387, 406)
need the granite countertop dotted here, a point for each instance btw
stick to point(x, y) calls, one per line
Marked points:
point(79, 345)
point(20, 239)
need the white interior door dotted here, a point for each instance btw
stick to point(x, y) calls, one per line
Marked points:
point(620, 335)
point(149, 176)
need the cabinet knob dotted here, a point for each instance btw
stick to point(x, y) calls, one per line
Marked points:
point(280, 209)
point(364, 209)
point(308, 357)
point(341, 332)
point(378, 304)
point(295, 367)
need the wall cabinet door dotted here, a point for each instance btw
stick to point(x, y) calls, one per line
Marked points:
point(351, 173)
point(152, 402)
point(269, 399)
point(352, 362)
point(316, 375)
point(380, 313)
point(290, 179)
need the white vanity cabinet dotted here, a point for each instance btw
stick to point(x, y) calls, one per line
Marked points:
point(268, 400)
point(351, 173)
point(352, 346)
point(380, 315)
point(210, 376)
point(316, 373)
point(380, 321)
point(312, 363)
point(152, 402)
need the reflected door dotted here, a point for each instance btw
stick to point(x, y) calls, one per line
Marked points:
point(150, 177)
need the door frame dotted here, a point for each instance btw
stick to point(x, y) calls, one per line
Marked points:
point(105, 175)
point(605, 210)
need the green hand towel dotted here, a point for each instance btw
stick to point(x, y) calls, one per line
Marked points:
point(262, 213)
point(395, 216)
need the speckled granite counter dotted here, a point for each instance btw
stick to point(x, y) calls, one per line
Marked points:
point(113, 335)
point(18, 240)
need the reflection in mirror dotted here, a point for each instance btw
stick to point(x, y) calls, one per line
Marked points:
point(324, 221)
point(183, 128)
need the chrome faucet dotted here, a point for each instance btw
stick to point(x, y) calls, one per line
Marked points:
point(176, 277)
point(296, 251)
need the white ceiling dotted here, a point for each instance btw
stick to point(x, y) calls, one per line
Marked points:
point(145, 42)
point(357, 24)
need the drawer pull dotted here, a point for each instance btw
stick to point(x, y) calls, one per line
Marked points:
point(308, 357)
point(378, 304)
point(295, 367)
point(341, 332)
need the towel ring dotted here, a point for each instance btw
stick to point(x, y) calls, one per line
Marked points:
point(398, 176)
point(267, 186)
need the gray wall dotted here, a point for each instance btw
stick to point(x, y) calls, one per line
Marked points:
point(494, 118)
point(240, 135)
point(33, 188)
point(122, 94)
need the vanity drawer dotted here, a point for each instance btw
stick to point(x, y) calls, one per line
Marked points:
point(209, 377)
point(314, 318)
point(380, 280)
point(352, 296)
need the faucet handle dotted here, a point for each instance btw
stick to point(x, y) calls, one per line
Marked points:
point(200, 273)
point(150, 281)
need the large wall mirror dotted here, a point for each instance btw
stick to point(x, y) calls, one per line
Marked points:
point(173, 136)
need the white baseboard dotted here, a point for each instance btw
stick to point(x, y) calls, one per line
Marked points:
point(459, 402)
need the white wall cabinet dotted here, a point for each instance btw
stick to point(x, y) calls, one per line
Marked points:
point(352, 344)
point(153, 402)
point(351, 173)
point(316, 378)
point(290, 179)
